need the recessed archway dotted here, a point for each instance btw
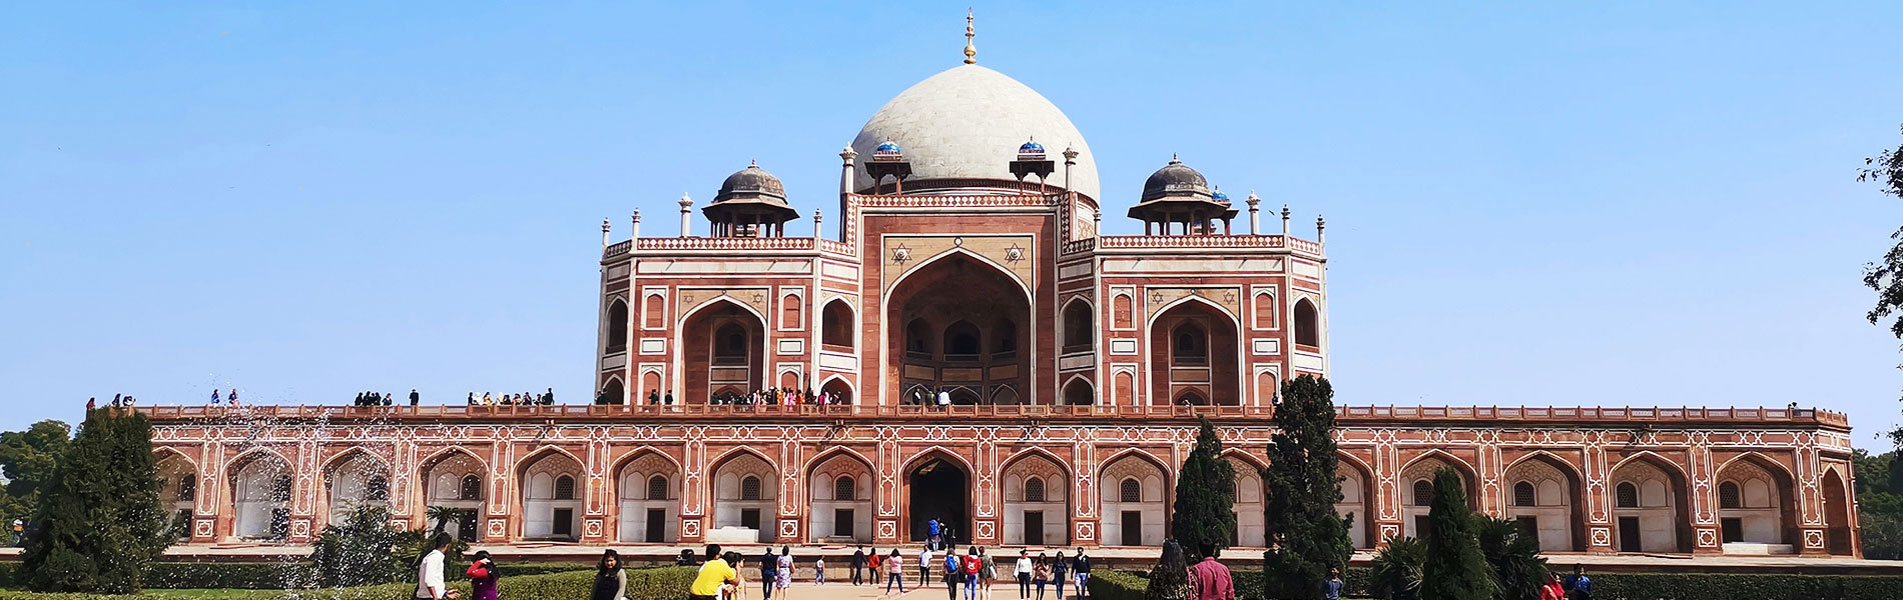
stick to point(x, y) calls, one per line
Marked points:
point(261, 496)
point(647, 493)
point(746, 493)
point(551, 495)
point(962, 315)
point(839, 490)
point(1837, 532)
point(1037, 504)
point(1132, 488)
point(1544, 495)
point(724, 344)
point(1650, 506)
point(837, 329)
point(1193, 355)
point(938, 488)
point(453, 489)
point(1357, 501)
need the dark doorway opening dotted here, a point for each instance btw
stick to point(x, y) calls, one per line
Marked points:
point(1530, 527)
point(466, 525)
point(1033, 528)
point(750, 518)
point(564, 522)
point(938, 491)
point(657, 525)
point(1732, 529)
point(1629, 534)
point(1132, 528)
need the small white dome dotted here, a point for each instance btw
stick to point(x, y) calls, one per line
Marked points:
point(967, 123)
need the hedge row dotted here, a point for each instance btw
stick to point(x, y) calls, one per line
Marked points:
point(259, 576)
point(668, 583)
point(1607, 586)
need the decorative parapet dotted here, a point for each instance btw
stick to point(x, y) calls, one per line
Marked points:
point(1352, 415)
point(963, 201)
point(728, 244)
point(1167, 242)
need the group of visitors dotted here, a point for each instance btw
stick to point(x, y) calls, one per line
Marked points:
point(489, 399)
point(231, 398)
point(1034, 574)
point(383, 399)
point(784, 396)
point(120, 401)
point(1174, 578)
point(1576, 586)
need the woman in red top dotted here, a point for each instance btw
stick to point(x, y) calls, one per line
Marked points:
point(1552, 590)
point(483, 574)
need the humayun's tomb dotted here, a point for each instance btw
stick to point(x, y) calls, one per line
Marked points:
point(968, 263)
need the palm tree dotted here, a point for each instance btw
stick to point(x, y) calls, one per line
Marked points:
point(442, 515)
point(1397, 569)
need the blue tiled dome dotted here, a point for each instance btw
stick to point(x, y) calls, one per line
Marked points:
point(888, 147)
point(1220, 197)
point(1031, 148)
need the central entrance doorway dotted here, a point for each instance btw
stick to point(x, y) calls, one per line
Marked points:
point(937, 490)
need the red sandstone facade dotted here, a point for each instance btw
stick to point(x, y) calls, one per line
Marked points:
point(1075, 364)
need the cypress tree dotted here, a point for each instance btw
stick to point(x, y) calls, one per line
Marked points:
point(1306, 536)
point(1205, 508)
point(99, 524)
point(1456, 569)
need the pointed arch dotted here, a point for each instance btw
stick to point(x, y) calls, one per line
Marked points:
point(957, 252)
point(1359, 495)
point(719, 344)
point(1079, 391)
point(331, 464)
point(1306, 323)
point(1195, 345)
point(840, 488)
point(1036, 498)
point(617, 324)
point(1655, 459)
point(1553, 513)
point(838, 385)
point(1777, 469)
point(1659, 517)
point(1466, 469)
point(839, 324)
point(1079, 325)
point(935, 493)
point(1769, 511)
point(720, 300)
point(240, 459)
point(642, 517)
point(1133, 487)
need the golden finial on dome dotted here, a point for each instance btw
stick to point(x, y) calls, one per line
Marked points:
point(971, 52)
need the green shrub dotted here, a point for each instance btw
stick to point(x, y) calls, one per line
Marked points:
point(1117, 585)
point(643, 584)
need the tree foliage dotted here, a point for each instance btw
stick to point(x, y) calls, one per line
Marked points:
point(1306, 536)
point(1396, 570)
point(1518, 569)
point(1879, 505)
point(1205, 507)
point(361, 549)
point(1456, 569)
point(27, 458)
point(99, 525)
point(1885, 276)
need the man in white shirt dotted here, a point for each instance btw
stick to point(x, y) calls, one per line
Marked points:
point(429, 572)
point(944, 398)
point(924, 566)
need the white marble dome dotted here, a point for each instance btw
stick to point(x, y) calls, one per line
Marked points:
point(968, 123)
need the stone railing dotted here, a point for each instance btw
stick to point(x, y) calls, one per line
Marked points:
point(1347, 414)
point(618, 249)
point(835, 247)
point(959, 201)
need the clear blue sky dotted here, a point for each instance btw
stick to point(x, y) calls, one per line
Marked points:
point(1626, 205)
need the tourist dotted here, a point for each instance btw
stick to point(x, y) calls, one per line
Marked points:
point(819, 571)
point(1578, 585)
point(987, 572)
point(954, 571)
point(548, 399)
point(1080, 570)
point(654, 396)
point(215, 398)
point(785, 569)
point(610, 582)
point(1041, 574)
point(737, 588)
point(483, 574)
point(894, 571)
point(415, 398)
point(1060, 573)
point(932, 529)
point(769, 573)
point(429, 571)
point(858, 563)
point(1023, 571)
point(487, 400)
point(92, 403)
point(925, 565)
point(974, 571)
point(669, 398)
point(944, 398)
point(1552, 589)
point(686, 559)
point(872, 564)
point(1211, 578)
point(1331, 589)
point(472, 398)
point(714, 575)
point(232, 398)
point(1170, 580)
point(116, 402)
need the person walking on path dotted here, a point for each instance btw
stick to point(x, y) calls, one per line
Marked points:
point(1041, 574)
point(954, 572)
point(429, 571)
point(974, 571)
point(769, 573)
point(819, 571)
point(714, 575)
point(1060, 573)
point(483, 574)
point(785, 570)
point(858, 565)
point(987, 573)
point(1211, 578)
point(611, 583)
point(924, 566)
point(1023, 571)
point(894, 571)
point(1080, 570)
